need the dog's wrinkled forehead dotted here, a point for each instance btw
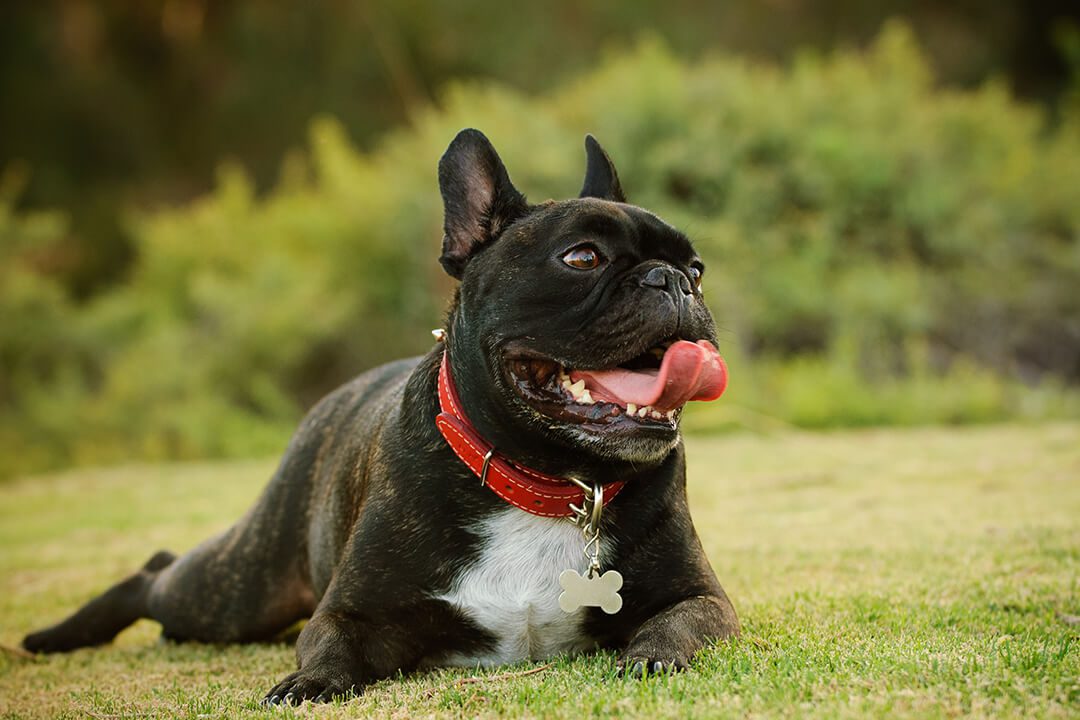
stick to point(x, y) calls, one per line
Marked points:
point(614, 226)
point(483, 208)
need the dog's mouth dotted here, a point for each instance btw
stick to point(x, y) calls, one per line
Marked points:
point(647, 390)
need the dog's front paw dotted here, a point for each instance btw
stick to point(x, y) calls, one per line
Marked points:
point(641, 664)
point(308, 685)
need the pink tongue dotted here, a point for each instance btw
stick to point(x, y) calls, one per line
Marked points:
point(689, 371)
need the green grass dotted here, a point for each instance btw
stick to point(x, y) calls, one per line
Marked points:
point(900, 573)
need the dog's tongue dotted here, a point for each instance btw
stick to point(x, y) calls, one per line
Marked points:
point(689, 371)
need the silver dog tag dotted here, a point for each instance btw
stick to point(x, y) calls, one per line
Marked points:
point(593, 590)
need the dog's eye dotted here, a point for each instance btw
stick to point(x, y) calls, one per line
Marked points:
point(696, 271)
point(583, 257)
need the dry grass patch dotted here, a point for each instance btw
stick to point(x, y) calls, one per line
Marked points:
point(913, 573)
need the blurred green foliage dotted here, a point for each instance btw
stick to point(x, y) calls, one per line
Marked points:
point(114, 105)
point(879, 251)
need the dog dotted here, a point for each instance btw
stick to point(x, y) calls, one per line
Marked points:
point(516, 493)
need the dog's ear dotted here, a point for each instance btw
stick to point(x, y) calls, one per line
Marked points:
point(601, 180)
point(479, 201)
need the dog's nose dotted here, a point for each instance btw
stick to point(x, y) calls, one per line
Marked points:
point(666, 277)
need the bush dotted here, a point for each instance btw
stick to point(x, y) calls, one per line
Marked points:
point(879, 251)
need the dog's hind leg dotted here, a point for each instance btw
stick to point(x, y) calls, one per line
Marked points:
point(246, 584)
point(231, 588)
point(101, 619)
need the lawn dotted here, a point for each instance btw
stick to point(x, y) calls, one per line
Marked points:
point(911, 573)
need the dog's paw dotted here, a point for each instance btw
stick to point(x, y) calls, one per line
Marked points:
point(38, 642)
point(51, 640)
point(308, 685)
point(638, 665)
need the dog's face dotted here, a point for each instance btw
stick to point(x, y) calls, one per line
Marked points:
point(580, 325)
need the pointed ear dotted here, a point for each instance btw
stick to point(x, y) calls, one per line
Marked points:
point(601, 181)
point(479, 201)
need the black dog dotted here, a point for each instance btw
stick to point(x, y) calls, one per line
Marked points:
point(575, 337)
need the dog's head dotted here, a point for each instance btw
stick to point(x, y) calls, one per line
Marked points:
point(579, 329)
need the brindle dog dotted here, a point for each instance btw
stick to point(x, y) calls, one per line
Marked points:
point(374, 528)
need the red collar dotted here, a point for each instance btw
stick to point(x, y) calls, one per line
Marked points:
point(524, 488)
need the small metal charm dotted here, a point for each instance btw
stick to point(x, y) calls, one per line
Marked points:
point(439, 334)
point(594, 589)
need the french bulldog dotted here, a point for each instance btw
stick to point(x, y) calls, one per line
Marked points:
point(517, 493)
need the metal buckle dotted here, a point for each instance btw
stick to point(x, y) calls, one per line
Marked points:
point(487, 464)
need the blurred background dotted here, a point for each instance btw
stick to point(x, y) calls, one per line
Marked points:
point(213, 212)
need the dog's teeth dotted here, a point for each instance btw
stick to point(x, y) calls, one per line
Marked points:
point(670, 414)
point(655, 415)
point(643, 411)
point(577, 388)
point(586, 398)
point(631, 409)
point(566, 382)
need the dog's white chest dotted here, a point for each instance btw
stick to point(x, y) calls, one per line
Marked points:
point(512, 590)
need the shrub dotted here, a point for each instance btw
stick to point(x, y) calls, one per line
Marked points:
point(880, 250)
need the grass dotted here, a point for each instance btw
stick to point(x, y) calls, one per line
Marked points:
point(902, 573)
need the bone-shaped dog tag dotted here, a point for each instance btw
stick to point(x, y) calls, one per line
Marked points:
point(593, 590)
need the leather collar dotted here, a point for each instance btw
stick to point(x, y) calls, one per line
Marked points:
point(524, 488)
